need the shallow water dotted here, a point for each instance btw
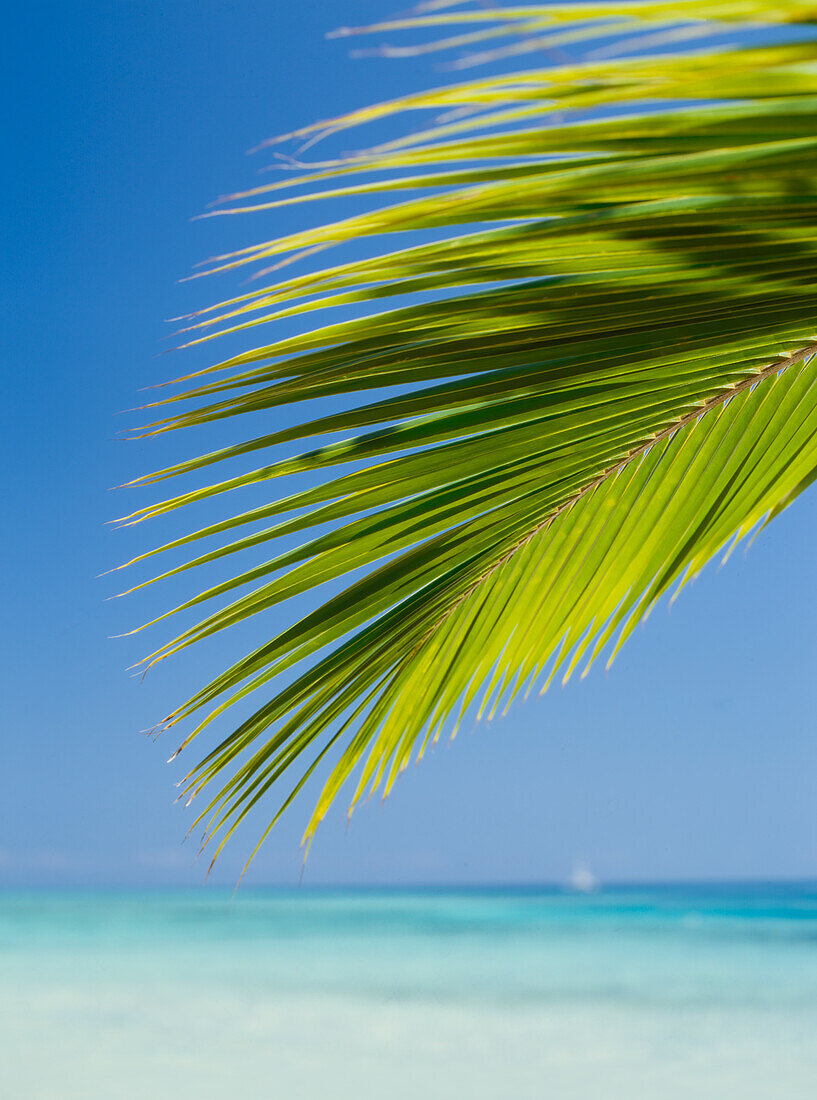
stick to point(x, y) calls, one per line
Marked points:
point(671, 992)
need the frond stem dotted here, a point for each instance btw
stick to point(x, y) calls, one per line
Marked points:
point(610, 471)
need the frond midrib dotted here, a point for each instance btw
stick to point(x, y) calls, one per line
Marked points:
point(615, 468)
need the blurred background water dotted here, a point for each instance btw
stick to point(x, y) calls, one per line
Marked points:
point(640, 992)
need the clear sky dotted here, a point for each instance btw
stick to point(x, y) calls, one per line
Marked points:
point(695, 757)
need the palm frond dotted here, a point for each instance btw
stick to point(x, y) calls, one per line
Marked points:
point(601, 376)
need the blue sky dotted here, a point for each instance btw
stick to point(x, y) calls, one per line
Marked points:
point(695, 757)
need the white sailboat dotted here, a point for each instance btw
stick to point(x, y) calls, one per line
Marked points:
point(583, 880)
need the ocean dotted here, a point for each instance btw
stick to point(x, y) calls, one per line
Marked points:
point(644, 992)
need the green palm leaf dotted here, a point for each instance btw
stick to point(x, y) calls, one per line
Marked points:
point(603, 377)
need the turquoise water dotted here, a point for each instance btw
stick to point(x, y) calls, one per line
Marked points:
point(637, 993)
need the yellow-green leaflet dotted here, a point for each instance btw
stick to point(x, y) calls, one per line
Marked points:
point(589, 370)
